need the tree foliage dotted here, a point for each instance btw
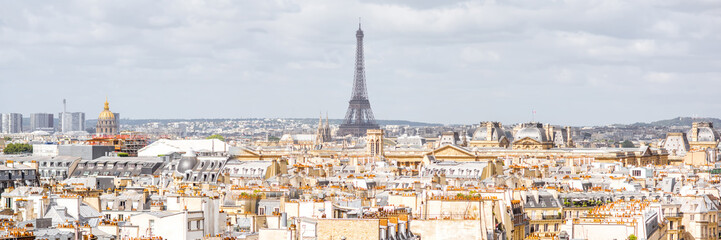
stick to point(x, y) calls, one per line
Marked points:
point(14, 148)
point(216, 136)
point(632, 237)
point(627, 144)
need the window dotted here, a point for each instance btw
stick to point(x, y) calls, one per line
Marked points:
point(261, 211)
point(198, 225)
point(120, 217)
point(189, 226)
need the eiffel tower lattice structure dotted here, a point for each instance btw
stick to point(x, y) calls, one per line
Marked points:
point(359, 117)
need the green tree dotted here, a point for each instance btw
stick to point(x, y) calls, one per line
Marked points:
point(14, 148)
point(632, 237)
point(7, 138)
point(123, 154)
point(627, 144)
point(216, 136)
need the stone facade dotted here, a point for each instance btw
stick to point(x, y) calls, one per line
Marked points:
point(349, 229)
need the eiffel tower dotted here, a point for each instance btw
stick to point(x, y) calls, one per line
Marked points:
point(359, 117)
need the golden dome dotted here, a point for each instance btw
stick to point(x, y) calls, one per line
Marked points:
point(106, 114)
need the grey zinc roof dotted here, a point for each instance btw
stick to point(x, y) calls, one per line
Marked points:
point(86, 211)
point(59, 215)
point(160, 214)
point(544, 201)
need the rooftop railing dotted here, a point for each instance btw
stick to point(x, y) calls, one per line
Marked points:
point(673, 214)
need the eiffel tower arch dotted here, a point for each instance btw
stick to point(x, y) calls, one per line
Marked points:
point(359, 117)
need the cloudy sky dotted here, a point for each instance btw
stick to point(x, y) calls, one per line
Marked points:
point(579, 62)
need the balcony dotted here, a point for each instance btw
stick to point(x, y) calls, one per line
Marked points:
point(551, 217)
point(520, 220)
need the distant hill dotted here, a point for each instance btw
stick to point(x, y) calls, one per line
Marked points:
point(679, 121)
point(404, 122)
point(91, 122)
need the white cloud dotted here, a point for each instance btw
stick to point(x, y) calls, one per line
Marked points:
point(659, 77)
point(442, 57)
point(473, 54)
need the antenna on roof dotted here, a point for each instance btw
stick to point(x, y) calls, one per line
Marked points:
point(533, 115)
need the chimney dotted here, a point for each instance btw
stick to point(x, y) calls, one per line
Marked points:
point(569, 139)
point(489, 130)
point(549, 132)
point(284, 220)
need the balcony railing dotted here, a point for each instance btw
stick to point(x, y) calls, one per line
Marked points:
point(551, 217)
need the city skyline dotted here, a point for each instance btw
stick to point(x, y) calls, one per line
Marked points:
point(460, 62)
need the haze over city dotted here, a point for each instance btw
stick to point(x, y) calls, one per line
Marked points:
point(574, 62)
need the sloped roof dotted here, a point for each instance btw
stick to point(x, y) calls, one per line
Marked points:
point(86, 212)
point(59, 215)
point(166, 146)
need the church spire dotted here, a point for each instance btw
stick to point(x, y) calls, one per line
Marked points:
point(320, 120)
point(327, 125)
point(107, 106)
